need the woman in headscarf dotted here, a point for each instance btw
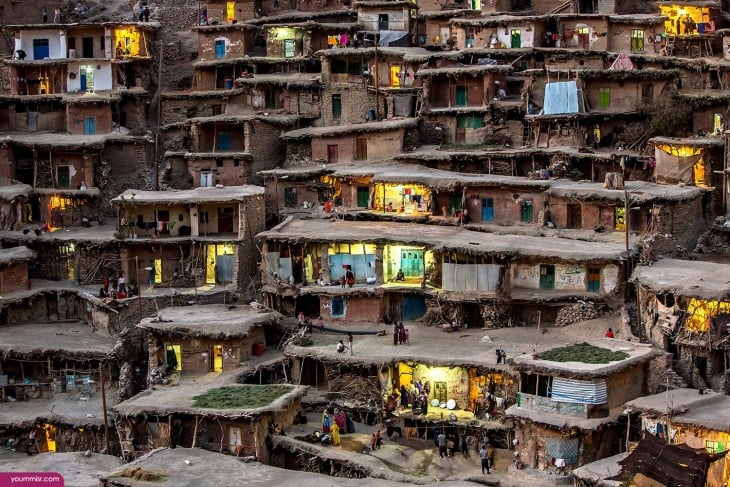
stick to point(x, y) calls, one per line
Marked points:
point(335, 434)
point(325, 422)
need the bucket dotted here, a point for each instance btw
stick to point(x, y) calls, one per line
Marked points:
point(371, 115)
point(229, 83)
point(258, 349)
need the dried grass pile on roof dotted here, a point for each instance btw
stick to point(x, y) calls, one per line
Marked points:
point(241, 397)
point(584, 353)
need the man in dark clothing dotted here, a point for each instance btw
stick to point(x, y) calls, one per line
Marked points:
point(485, 459)
point(441, 442)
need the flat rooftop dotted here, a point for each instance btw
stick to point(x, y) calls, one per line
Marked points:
point(351, 128)
point(229, 470)
point(179, 400)
point(16, 254)
point(687, 406)
point(440, 237)
point(189, 196)
point(10, 191)
point(707, 280)
point(77, 470)
point(637, 353)
point(71, 340)
point(213, 320)
point(467, 347)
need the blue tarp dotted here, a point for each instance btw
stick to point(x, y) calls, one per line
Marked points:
point(560, 97)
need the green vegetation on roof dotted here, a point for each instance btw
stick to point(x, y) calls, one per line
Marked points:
point(582, 352)
point(241, 397)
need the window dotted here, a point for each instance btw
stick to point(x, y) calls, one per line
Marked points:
point(336, 106)
point(72, 43)
point(714, 446)
point(604, 98)
point(337, 307)
point(637, 40)
point(102, 43)
point(469, 122)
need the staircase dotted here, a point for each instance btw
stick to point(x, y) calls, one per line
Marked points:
point(290, 332)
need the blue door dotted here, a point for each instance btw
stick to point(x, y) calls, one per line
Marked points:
point(224, 141)
point(89, 125)
point(487, 209)
point(40, 49)
point(82, 80)
point(220, 49)
point(414, 306)
point(411, 263)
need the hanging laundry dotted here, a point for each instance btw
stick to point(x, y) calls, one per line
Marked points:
point(331, 40)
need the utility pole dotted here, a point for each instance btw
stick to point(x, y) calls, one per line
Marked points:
point(159, 116)
point(103, 405)
point(626, 218)
point(377, 81)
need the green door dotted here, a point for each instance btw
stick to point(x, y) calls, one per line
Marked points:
point(411, 262)
point(547, 276)
point(363, 196)
point(461, 96)
point(526, 212)
point(454, 203)
point(516, 39)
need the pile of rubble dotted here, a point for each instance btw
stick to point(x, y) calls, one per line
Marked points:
point(576, 313)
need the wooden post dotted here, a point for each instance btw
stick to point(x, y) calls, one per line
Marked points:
point(377, 80)
point(626, 219)
point(195, 431)
point(103, 405)
point(628, 428)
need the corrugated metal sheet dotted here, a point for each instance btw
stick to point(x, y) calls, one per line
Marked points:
point(579, 391)
point(560, 97)
point(470, 277)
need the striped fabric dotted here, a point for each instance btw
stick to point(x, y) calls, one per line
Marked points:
point(579, 391)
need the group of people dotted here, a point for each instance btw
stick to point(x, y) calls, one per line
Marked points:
point(56, 15)
point(118, 289)
point(348, 278)
point(306, 324)
point(334, 422)
point(400, 334)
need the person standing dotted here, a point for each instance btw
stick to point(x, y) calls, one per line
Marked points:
point(146, 13)
point(122, 283)
point(441, 442)
point(484, 458)
point(609, 333)
point(44, 13)
point(395, 333)
point(57, 15)
point(335, 434)
point(349, 342)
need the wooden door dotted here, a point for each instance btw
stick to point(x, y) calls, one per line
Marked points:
point(332, 154)
point(361, 149)
point(516, 39)
point(547, 276)
point(363, 196)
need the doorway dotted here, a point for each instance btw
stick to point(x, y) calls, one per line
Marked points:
point(220, 48)
point(173, 356)
point(461, 96)
point(40, 49)
point(414, 307)
point(515, 39)
point(574, 215)
point(89, 125)
point(487, 209)
point(225, 219)
point(594, 280)
point(87, 47)
point(86, 78)
point(361, 149)
point(63, 176)
point(547, 277)
point(289, 48)
point(440, 391)
point(332, 154)
point(383, 22)
point(584, 36)
point(411, 262)
point(234, 438)
point(216, 353)
point(395, 76)
point(363, 196)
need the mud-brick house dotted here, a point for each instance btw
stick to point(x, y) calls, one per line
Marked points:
point(295, 39)
point(221, 49)
point(189, 237)
point(231, 148)
point(207, 338)
point(637, 33)
point(289, 190)
point(289, 93)
point(56, 348)
point(622, 90)
point(571, 397)
point(684, 417)
point(347, 71)
point(685, 307)
point(460, 97)
point(351, 142)
point(390, 19)
point(13, 201)
point(14, 269)
point(690, 27)
point(582, 31)
point(696, 161)
point(191, 416)
point(498, 32)
point(226, 12)
point(304, 261)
